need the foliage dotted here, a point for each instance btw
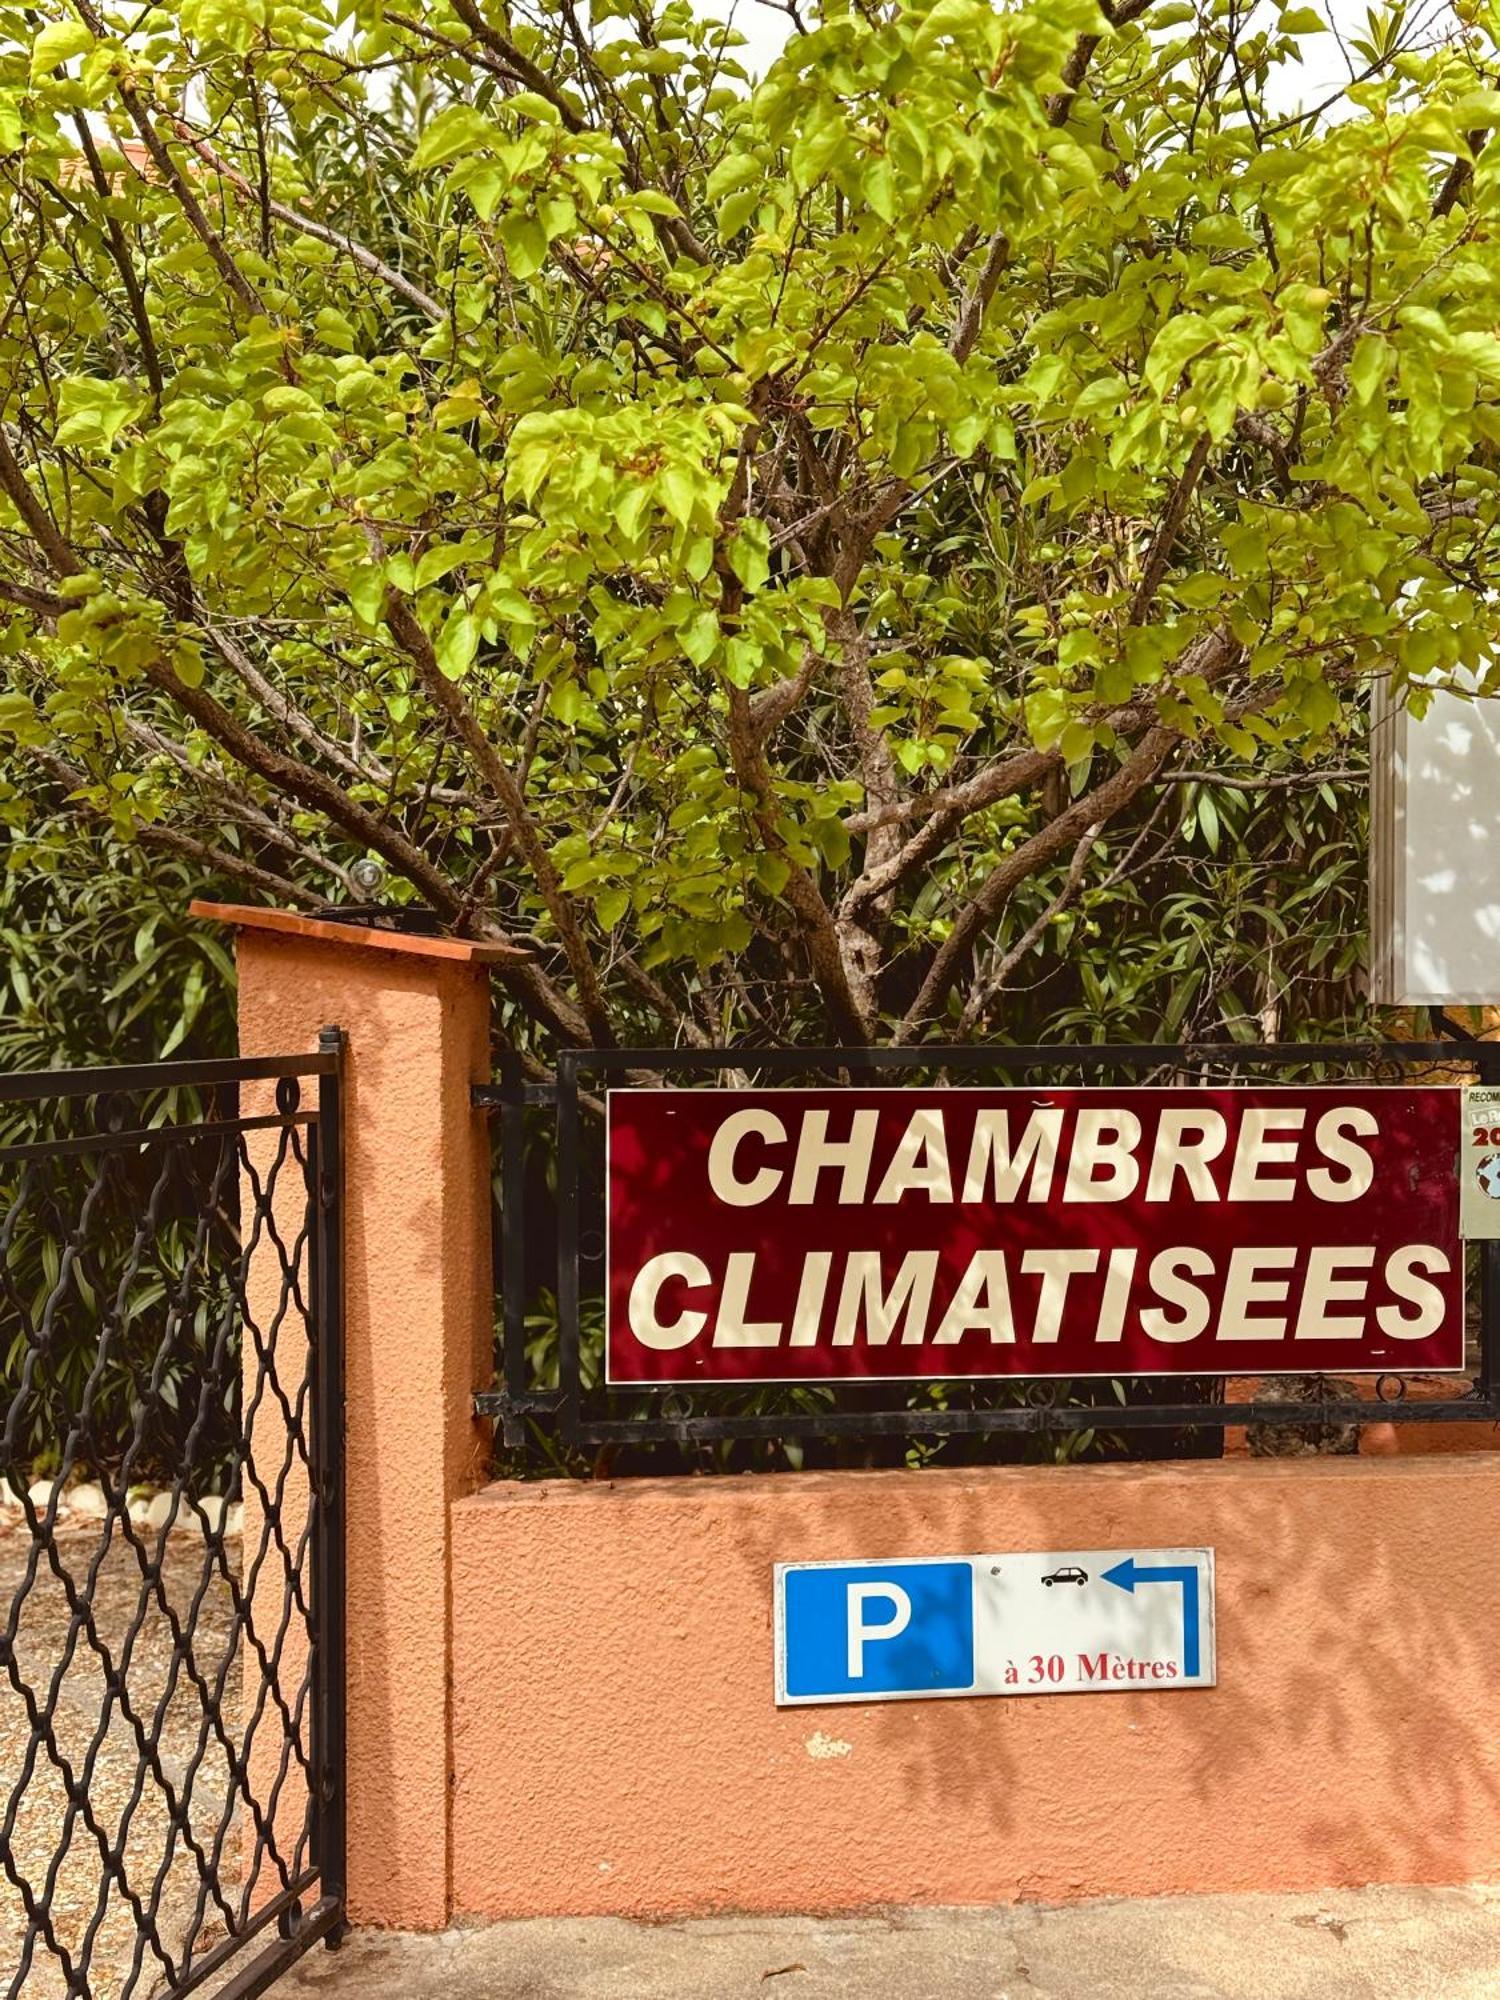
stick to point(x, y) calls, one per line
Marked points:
point(772, 549)
point(100, 961)
point(118, 1290)
point(101, 965)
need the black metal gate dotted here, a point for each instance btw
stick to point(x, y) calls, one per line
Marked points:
point(171, 1533)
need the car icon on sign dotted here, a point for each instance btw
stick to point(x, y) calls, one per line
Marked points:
point(1070, 1573)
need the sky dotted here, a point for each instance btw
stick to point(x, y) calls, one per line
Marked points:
point(1322, 71)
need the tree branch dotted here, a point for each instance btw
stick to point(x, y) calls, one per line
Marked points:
point(522, 67)
point(990, 989)
point(970, 320)
point(948, 807)
point(172, 175)
point(985, 994)
point(956, 804)
point(170, 841)
point(355, 251)
point(966, 326)
point(227, 800)
point(656, 997)
point(1458, 176)
point(292, 778)
point(295, 779)
point(1293, 781)
point(1160, 552)
point(44, 529)
point(275, 703)
point(415, 643)
point(1091, 811)
point(1211, 656)
point(805, 898)
point(43, 602)
point(119, 252)
point(771, 706)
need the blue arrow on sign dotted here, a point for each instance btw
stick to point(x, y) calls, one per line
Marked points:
point(1126, 1575)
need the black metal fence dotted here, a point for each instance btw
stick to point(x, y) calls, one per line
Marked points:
point(578, 1414)
point(171, 1566)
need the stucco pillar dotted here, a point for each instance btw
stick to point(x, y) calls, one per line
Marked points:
point(418, 1343)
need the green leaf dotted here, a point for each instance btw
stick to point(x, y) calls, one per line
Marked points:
point(735, 170)
point(1477, 108)
point(366, 593)
point(700, 636)
point(1046, 717)
point(335, 329)
point(610, 906)
point(484, 183)
point(531, 104)
point(750, 554)
point(189, 664)
point(438, 562)
point(650, 201)
point(1208, 821)
point(458, 130)
point(568, 702)
point(742, 659)
point(511, 605)
point(18, 718)
point(457, 643)
point(679, 493)
point(1368, 365)
point(1103, 395)
point(1183, 337)
point(814, 149)
point(58, 43)
point(95, 412)
point(880, 189)
point(737, 211)
point(525, 245)
point(1317, 706)
point(945, 17)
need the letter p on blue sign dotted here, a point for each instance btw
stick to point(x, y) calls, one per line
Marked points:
point(873, 1630)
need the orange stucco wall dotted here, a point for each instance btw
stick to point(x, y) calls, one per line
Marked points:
point(617, 1749)
point(559, 1694)
point(418, 1333)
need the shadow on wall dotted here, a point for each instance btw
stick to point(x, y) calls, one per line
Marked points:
point(618, 1750)
point(1347, 1740)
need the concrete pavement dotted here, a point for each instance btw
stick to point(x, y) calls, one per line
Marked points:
point(1362, 1944)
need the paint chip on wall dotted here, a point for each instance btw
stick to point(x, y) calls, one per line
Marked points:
point(819, 1745)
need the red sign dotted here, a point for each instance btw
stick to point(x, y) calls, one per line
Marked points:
point(808, 1235)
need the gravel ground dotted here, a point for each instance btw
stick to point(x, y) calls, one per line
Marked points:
point(151, 1850)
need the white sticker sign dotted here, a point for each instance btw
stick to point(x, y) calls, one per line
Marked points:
point(1070, 1621)
point(1479, 1164)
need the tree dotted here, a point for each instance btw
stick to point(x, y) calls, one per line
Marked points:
point(778, 549)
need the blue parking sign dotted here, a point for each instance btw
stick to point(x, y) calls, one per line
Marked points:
point(893, 1628)
point(1021, 1622)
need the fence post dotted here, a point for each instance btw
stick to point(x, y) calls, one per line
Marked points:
point(418, 1328)
point(331, 1690)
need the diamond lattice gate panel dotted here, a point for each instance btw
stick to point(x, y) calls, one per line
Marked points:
point(171, 1635)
